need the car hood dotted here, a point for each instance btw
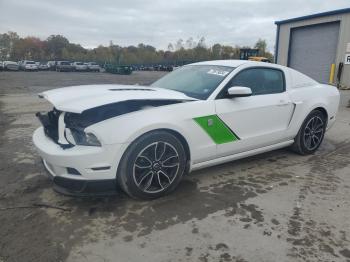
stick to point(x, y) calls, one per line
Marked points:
point(77, 99)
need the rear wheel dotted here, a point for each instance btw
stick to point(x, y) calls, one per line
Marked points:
point(311, 133)
point(152, 166)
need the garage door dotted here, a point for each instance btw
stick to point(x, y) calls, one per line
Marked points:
point(313, 50)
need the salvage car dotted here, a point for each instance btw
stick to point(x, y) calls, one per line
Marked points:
point(80, 67)
point(43, 66)
point(146, 138)
point(93, 67)
point(52, 65)
point(27, 65)
point(10, 66)
point(64, 66)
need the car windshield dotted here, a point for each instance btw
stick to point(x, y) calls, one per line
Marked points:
point(93, 63)
point(30, 62)
point(197, 81)
point(79, 63)
point(65, 63)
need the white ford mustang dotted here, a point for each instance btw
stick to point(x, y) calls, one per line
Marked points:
point(145, 138)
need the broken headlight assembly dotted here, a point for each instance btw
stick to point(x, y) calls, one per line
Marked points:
point(82, 138)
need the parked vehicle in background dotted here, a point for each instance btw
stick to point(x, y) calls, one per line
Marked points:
point(63, 66)
point(118, 69)
point(51, 65)
point(10, 66)
point(28, 65)
point(163, 68)
point(1, 66)
point(158, 68)
point(43, 66)
point(93, 67)
point(80, 66)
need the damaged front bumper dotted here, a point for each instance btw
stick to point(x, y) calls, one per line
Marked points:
point(80, 170)
point(80, 187)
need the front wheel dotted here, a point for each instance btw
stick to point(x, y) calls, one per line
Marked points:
point(152, 166)
point(311, 133)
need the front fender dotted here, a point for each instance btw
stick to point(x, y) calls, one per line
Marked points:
point(177, 117)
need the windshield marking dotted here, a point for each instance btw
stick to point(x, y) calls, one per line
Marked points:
point(217, 72)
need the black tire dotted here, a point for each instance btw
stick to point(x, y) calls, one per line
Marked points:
point(143, 176)
point(305, 145)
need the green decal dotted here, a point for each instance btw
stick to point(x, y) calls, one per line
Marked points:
point(216, 129)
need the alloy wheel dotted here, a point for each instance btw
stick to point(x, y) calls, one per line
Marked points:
point(313, 133)
point(156, 167)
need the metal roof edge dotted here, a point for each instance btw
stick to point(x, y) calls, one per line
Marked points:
point(301, 18)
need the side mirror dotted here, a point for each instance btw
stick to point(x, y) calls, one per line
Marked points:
point(239, 91)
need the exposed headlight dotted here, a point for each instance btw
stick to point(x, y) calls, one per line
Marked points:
point(85, 139)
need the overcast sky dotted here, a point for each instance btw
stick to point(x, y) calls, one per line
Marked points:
point(155, 22)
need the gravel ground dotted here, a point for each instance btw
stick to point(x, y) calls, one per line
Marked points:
point(277, 206)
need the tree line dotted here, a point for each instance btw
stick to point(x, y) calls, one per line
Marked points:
point(57, 47)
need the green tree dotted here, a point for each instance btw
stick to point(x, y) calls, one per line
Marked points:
point(29, 48)
point(216, 51)
point(7, 42)
point(55, 45)
point(261, 45)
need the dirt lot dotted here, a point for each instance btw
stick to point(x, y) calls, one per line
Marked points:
point(278, 206)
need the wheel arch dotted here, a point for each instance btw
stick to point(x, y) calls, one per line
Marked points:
point(175, 133)
point(181, 138)
point(318, 107)
point(299, 146)
point(323, 110)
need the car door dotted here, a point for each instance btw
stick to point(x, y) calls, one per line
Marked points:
point(260, 119)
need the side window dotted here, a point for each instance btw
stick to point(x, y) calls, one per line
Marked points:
point(260, 80)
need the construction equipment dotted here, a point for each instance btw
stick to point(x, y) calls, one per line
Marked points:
point(259, 59)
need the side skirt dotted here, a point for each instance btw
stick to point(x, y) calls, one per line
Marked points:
point(225, 159)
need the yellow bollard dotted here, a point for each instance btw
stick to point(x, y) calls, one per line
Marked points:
point(331, 74)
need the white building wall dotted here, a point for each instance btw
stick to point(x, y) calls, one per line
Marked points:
point(344, 39)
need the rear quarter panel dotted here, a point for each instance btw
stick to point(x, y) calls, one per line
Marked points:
point(308, 98)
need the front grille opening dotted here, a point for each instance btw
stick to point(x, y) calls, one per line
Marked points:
point(73, 171)
point(49, 121)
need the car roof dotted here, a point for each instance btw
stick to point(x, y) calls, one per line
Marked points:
point(231, 62)
point(237, 63)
